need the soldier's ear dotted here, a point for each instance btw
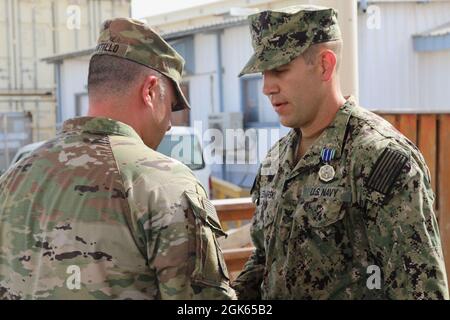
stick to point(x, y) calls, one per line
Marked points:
point(149, 90)
point(327, 64)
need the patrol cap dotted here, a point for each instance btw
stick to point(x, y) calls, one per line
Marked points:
point(279, 36)
point(136, 41)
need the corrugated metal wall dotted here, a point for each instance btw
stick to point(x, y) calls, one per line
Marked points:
point(233, 61)
point(392, 76)
point(31, 30)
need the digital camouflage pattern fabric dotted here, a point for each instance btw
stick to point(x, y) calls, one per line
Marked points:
point(323, 240)
point(279, 36)
point(137, 224)
point(134, 40)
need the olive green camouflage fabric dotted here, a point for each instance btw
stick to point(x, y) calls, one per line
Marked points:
point(279, 36)
point(325, 240)
point(135, 223)
point(134, 40)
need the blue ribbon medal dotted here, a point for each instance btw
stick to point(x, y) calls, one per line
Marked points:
point(326, 172)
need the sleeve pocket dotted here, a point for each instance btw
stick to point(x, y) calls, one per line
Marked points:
point(210, 268)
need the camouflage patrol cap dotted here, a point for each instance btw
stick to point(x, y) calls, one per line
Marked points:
point(134, 40)
point(279, 36)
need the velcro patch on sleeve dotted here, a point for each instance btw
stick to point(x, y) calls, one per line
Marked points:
point(386, 170)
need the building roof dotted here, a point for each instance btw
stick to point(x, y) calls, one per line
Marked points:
point(68, 55)
point(228, 23)
point(172, 35)
point(435, 39)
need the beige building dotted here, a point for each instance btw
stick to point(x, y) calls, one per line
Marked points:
point(29, 31)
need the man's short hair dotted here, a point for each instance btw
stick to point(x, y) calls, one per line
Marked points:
point(312, 52)
point(110, 75)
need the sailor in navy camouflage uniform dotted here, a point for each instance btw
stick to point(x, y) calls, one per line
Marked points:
point(344, 201)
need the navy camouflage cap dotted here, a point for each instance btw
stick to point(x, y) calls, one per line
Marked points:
point(134, 40)
point(279, 36)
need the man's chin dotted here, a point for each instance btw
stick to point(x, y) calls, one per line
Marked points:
point(285, 122)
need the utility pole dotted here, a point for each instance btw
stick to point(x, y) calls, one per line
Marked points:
point(348, 22)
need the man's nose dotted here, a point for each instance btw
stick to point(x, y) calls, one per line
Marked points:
point(269, 84)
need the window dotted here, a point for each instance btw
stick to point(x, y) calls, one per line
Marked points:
point(256, 107)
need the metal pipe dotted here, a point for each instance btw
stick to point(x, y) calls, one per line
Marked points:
point(76, 34)
point(220, 70)
point(54, 26)
point(89, 8)
point(8, 40)
point(94, 18)
point(35, 65)
point(19, 47)
point(28, 99)
point(5, 138)
point(14, 43)
point(348, 22)
point(14, 46)
point(58, 93)
point(35, 79)
point(94, 11)
point(24, 93)
point(99, 18)
point(220, 89)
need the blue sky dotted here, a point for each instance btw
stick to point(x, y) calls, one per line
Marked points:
point(146, 8)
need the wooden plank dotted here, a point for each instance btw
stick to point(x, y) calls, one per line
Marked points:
point(234, 209)
point(408, 126)
point(236, 258)
point(223, 189)
point(427, 143)
point(444, 186)
point(237, 238)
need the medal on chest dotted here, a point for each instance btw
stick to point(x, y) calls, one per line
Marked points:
point(326, 172)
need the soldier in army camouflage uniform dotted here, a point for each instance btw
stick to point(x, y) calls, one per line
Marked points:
point(96, 213)
point(344, 203)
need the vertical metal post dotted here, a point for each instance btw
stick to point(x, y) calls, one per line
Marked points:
point(5, 139)
point(19, 49)
point(58, 97)
point(220, 92)
point(35, 68)
point(54, 27)
point(348, 22)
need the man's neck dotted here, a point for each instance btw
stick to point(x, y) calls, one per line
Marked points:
point(326, 115)
point(115, 112)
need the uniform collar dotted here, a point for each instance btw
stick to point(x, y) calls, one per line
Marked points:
point(97, 125)
point(332, 138)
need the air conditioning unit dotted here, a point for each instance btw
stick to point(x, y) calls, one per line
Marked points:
point(225, 120)
point(230, 125)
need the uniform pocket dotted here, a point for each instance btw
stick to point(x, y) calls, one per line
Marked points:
point(210, 268)
point(318, 217)
point(324, 213)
